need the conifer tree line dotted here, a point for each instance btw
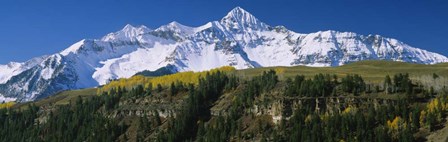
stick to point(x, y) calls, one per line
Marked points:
point(87, 119)
point(78, 121)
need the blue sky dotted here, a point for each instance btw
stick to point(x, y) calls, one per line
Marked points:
point(30, 28)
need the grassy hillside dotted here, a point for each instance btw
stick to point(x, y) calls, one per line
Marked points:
point(61, 98)
point(370, 70)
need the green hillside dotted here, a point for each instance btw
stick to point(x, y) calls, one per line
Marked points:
point(61, 98)
point(262, 104)
point(370, 70)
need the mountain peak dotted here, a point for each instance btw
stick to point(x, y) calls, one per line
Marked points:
point(73, 48)
point(239, 14)
point(175, 23)
point(238, 18)
point(178, 26)
point(128, 27)
point(128, 32)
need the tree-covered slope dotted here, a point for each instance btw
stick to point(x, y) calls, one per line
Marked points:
point(248, 105)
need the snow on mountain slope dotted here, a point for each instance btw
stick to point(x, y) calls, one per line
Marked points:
point(9, 70)
point(240, 20)
point(73, 49)
point(177, 28)
point(6, 99)
point(132, 63)
point(14, 68)
point(128, 33)
point(239, 39)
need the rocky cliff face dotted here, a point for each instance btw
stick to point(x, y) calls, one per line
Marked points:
point(281, 107)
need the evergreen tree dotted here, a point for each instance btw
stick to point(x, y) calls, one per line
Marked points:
point(159, 88)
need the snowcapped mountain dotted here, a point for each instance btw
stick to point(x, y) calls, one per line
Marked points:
point(239, 40)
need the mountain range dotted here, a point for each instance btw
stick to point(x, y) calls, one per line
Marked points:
point(239, 39)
